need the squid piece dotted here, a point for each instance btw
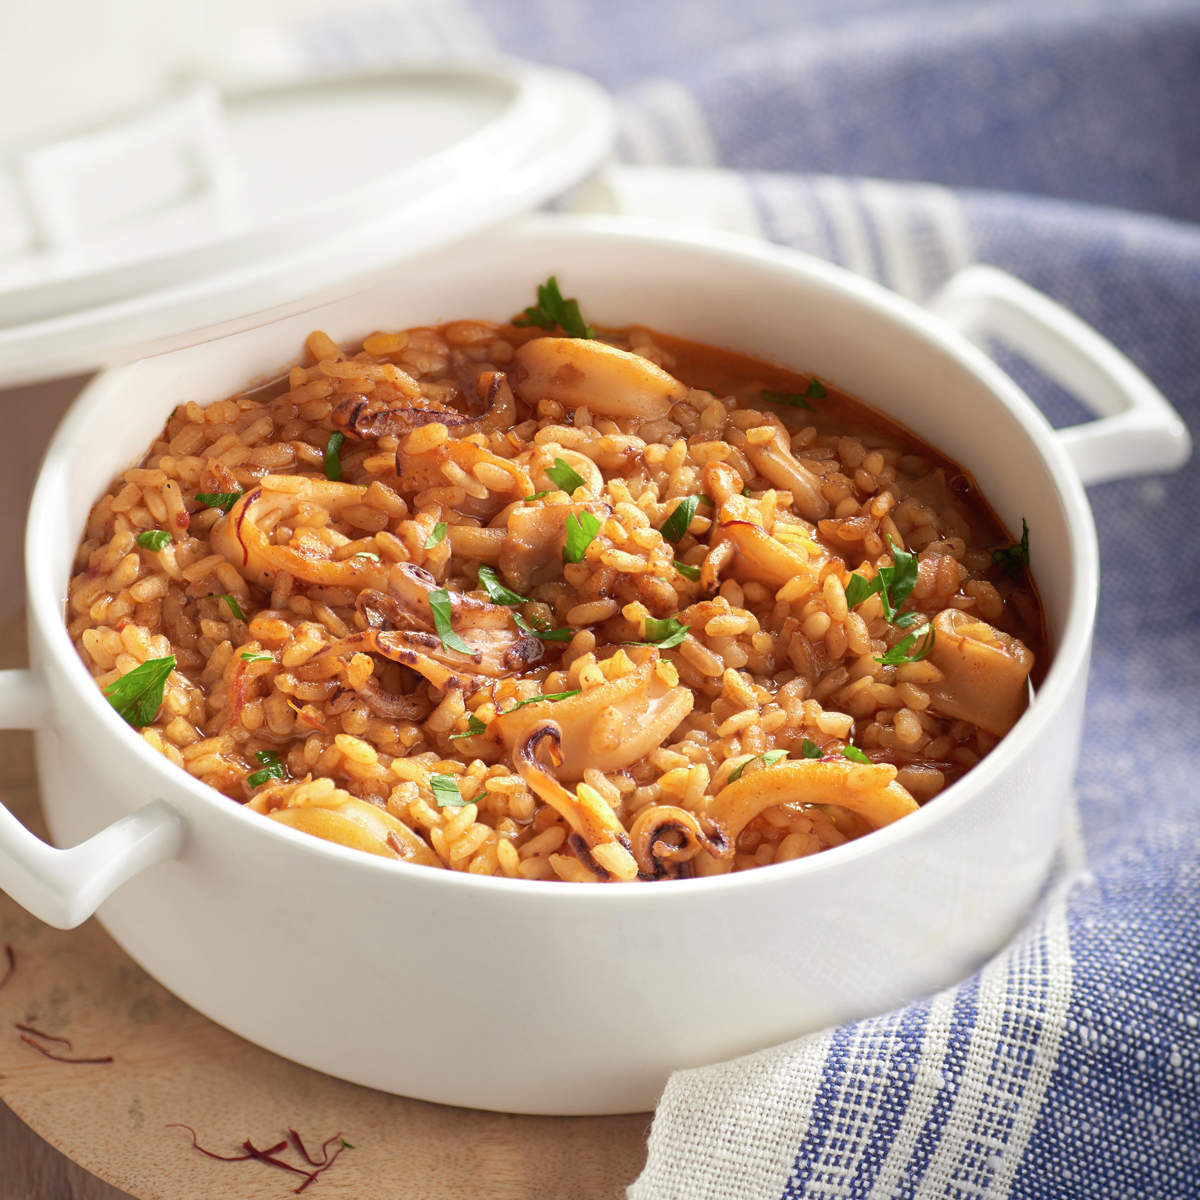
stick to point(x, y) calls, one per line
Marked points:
point(665, 839)
point(774, 460)
point(337, 816)
point(243, 536)
point(598, 838)
point(579, 372)
point(984, 672)
point(608, 727)
point(389, 412)
point(578, 462)
point(871, 791)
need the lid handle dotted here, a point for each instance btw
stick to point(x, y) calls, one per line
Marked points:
point(60, 179)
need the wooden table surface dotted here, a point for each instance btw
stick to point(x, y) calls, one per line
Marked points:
point(98, 1132)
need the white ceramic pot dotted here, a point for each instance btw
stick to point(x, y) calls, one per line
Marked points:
point(553, 998)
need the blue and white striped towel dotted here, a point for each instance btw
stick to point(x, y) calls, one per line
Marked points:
point(904, 139)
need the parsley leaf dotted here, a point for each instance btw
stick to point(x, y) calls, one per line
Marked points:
point(234, 607)
point(367, 554)
point(687, 570)
point(257, 656)
point(547, 635)
point(497, 592)
point(437, 535)
point(769, 757)
point(666, 633)
point(551, 310)
point(894, 584)
point(564, 476)
point(676, 525)
point(899, 653)
point(538, 495)
point(439, 604)
point(333, 456)
point(138, 695)
point(474, 728)
point(222, 500)
point(581, 531)
point(445, 791)
point(1013, 559)
point(153, 539)
point(854, 754)
point(272, 768)
point(814, 391)
point(810, 749)
point(908, 619)
point(552, 696)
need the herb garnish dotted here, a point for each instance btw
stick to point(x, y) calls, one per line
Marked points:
point(769, 757)
point(445, 791)
point(581, 531)
point(666, 633)
point(234, 607)
point(899, 653)
point(538, 495)
point(854, 754)
point(497, 592)
point(138, 696)
point(436, 535)
point(814, 391)
point(1014, 559)
point(257, 656)
point(333, 456)
point(439, 604)
point(222, 500)
point(367, 554)
point(153, 539)
point(551, 310)
point(564, 476)
point(810, 749)
point(894, 584)
point(676, 525)
point(547, 635)
point(272, 768)
point(554, 697)
point(474, 728)
point(687, 570)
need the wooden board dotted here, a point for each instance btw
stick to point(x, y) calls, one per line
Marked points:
point(171, 1064)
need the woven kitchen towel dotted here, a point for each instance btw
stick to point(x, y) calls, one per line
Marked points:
point(1060, 140)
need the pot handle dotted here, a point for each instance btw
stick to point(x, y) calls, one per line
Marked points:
point(1138, 432)
point(64, 887)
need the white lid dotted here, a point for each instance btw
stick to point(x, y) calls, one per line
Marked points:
point(194, 218)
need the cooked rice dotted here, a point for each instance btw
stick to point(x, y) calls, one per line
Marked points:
point(770, 663)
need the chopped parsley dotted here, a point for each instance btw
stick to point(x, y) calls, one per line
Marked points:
point(676, 525)
point(814, 391)
point(538, 495)
point(437, 535)
point(257, 656)
point(564, 476)
point(551, 310)
point(474, 728)
point(899, 653)
point(547, 635)
point(333, 456)
point(894, 584)
point(581, 531)
point(153, 539)
point(367, 554)
point(445, 791)
point(809, 749)
point(769, 757)
point(553, 697)
point(222, 500)
point(666, 633)
point(497, 592)
point(234, 607)
point(687, 570)
point(854, 754)
point(1012, 560)
point(272, 768)
point(138, 695)
point(440, 606)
